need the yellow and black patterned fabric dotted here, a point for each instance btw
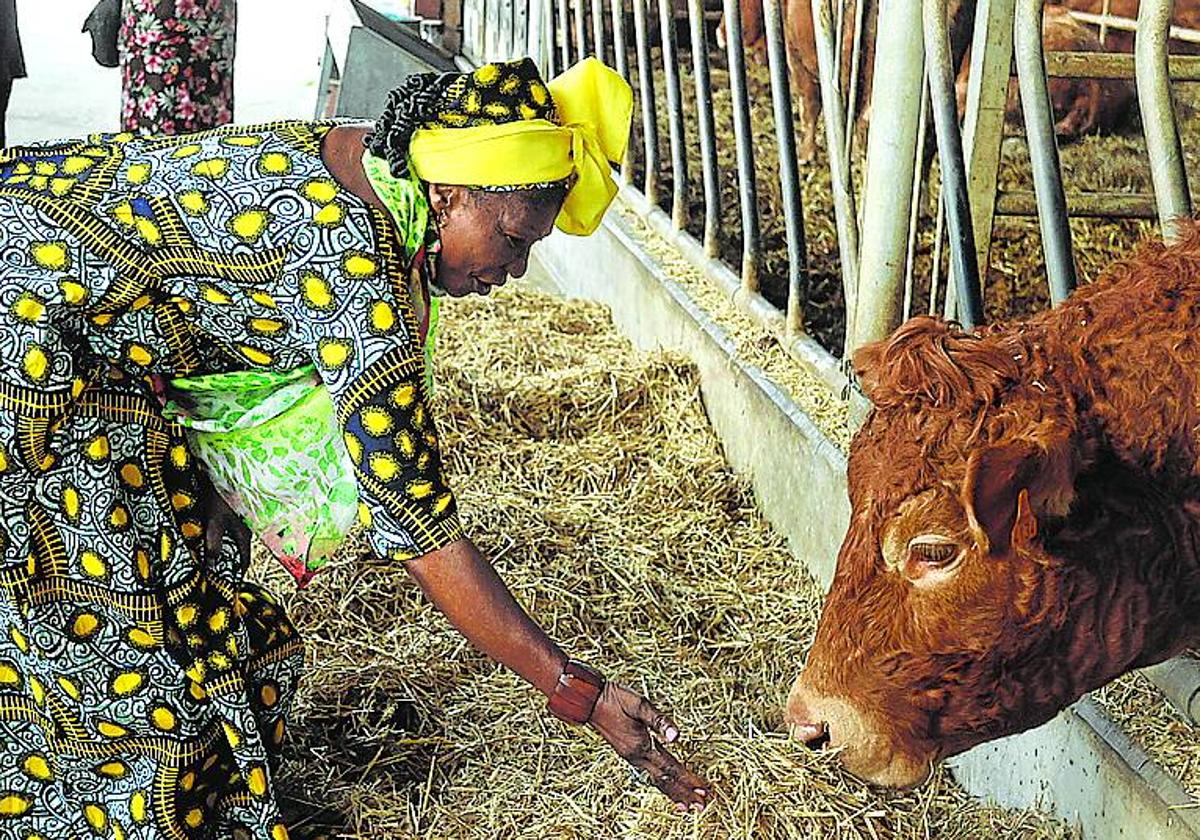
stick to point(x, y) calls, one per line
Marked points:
point(144, 685)
point(494, 94)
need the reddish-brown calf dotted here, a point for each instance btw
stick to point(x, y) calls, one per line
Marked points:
point(1025, 520)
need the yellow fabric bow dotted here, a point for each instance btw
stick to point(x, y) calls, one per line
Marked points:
point(595, 106)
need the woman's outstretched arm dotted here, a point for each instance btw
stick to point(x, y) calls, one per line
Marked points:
point(461, 583)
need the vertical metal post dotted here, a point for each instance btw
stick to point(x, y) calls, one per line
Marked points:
point(540, 41)
point(964, 268)
point(914, 215)
point(704, 115)
point(581, 49)
point(564, 32)
point(1158, 117)
point(622, 55)
point(747, 188)
point(679, 173)
point(844, 213)
point(891, 145)
point(983, 125)
point(598, 28)
point(649, 112)
point(789, 177)
point(1043, 148)
point(852, 83)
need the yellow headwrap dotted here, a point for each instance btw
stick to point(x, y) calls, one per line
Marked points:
point(594, 105)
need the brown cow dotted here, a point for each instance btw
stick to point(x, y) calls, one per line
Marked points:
point(1025, 521)
point(1080, 106)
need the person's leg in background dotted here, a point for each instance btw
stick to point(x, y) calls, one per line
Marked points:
point(5, 90)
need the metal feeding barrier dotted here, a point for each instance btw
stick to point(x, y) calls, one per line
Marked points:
point(655, 45)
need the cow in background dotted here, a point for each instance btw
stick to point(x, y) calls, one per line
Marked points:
point(1079, 106)
point(802, 55)
point(1025, 521)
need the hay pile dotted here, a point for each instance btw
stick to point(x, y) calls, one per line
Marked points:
point(591, 475)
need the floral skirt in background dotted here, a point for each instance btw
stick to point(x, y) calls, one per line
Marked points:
point(176, 64)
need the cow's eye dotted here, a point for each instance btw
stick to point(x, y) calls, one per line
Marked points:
point(933, 551)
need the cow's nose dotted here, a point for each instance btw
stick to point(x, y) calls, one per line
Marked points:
point(812, 735)
point(804, 726)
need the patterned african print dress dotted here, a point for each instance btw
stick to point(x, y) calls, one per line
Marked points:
point(143, 684)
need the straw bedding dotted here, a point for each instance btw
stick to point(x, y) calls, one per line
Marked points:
point(591, 475)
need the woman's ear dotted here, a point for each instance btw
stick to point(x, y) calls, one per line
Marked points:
point(445, 198)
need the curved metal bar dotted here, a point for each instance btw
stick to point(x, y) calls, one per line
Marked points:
point(598, 28)
point(914, 214)
point(704, 119)
point(852, 83)
point(789, 176)
point(564, 32)
point(891, 143)
point(1043, 148)
point(747, 186)
point(649, 112)
point(964, 268)
point(622, 65)
point(670, 55)
point(844, 213)
point(1158, 117)
point(581, 49)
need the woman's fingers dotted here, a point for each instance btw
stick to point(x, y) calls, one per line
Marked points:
point(680, 784)
point(656, 721)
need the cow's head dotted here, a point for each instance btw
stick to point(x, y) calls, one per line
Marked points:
point(958, 612)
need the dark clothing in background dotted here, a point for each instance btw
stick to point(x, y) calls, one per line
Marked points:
point(12, 61)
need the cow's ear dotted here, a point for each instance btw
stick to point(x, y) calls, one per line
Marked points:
point(867, 362)
point(997, 478)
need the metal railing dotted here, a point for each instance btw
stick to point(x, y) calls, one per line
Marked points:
point(681, 160)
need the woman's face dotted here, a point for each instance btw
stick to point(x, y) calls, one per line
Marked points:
point(486, 236)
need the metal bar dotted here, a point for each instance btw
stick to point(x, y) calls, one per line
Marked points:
point(841, 183)
point(581, 49)
point(789, 176)
point(707, 130)
point(1082, 204)
point(963, 267)
point(598, 28)
point(1158, 118)
point(1091, 65)
point(1176, 33)
point(935, 278)
point(891, 144)
point(747, 188)
point(1043, 149)
point(670, 55)
point(914, 215)
point(983, 126)
point(564, 32)
point(622, 56)
point(545, 39)
point(851, 101)
point(649, 112)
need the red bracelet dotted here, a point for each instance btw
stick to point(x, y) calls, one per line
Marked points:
point(574, 698)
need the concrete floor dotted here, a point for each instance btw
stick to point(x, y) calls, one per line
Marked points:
point(279, 48)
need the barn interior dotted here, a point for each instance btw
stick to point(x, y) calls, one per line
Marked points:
point(600, 446)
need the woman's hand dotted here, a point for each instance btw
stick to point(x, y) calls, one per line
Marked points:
point(222, 521)
point(634, 729)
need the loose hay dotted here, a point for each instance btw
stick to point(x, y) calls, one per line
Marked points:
point(1146, 716)
point(590, 473)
